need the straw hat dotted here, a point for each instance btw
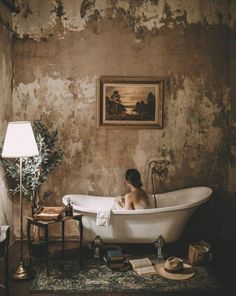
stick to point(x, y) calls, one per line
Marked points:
point(174, 269)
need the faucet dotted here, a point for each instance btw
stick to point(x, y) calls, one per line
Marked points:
point(158, 167)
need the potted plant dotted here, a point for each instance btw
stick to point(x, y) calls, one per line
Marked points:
point(35, 169)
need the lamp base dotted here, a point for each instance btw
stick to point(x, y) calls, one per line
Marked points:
point(22, 273)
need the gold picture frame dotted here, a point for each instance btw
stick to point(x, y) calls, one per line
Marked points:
point(135, 102)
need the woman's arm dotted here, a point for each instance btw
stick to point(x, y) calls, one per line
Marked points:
point(122, 201)
point(128, 203)
point(118, 203)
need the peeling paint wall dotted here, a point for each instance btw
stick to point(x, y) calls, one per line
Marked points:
point(6, 205)
point(64, 46)
point(230, 201)
point(38, 20)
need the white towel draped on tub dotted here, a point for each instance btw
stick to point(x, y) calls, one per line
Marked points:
point(103, 217)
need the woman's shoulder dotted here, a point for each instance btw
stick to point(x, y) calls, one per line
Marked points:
point(128, 195)
point(131, 196)
point(143, 192)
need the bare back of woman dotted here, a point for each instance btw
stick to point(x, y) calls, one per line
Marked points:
point(137, 198)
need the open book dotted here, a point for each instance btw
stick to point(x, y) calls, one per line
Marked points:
point(143, 266)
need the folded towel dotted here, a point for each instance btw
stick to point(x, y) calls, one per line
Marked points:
point(3, 232)
point(103, 217)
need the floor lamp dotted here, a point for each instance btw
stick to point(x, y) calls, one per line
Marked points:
point(19, 143)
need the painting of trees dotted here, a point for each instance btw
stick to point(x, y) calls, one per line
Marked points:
point(134, 110)
point(130, 101)
point(114, 106)
point(146, 110)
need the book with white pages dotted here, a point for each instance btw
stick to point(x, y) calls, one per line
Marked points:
point(143, 266)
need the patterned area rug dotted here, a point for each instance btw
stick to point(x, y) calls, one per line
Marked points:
point(68, 277)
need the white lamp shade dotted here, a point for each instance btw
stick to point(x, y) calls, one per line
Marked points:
point(19, 140)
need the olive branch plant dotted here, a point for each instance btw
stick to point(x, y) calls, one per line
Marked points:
point(35, 169)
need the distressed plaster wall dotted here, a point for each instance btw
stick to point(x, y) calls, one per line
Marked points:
point(62, 47)
point(230, 201)
point(6, 206)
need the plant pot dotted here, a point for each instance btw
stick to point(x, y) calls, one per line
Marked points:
point(39, 249)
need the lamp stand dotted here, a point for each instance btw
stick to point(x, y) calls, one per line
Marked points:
point(21, 272)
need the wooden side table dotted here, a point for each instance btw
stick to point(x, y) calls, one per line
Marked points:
point(45, 224)
point(4, 248)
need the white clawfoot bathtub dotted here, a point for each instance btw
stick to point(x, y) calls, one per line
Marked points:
point(173, 211)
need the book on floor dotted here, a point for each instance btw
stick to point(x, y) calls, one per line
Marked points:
point(115, 255)
point(143, 266)
point(113, 263)
point(117, 264)
point(121, 265)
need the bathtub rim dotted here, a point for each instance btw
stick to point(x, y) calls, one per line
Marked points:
point(144, 211)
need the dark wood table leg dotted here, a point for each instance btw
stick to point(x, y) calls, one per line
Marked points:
point(63, 238)
point(29, 241)
point(81, 229)
point(46, 242)
point(7, 264)
point(6, 274)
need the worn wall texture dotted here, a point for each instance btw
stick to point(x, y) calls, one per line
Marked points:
point(230, 201)
point(62, 47)
point(6, 207)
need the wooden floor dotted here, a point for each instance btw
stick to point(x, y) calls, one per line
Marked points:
point(224, 255)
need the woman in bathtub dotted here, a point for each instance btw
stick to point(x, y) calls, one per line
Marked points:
point(137, 198)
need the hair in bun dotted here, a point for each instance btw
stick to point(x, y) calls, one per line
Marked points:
point(132, 176)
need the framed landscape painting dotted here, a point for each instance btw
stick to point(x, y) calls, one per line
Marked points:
point(130, 101)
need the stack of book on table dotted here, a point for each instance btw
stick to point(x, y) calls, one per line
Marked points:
point(116, 260)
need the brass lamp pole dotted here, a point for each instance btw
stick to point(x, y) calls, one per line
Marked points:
point(20, 142)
